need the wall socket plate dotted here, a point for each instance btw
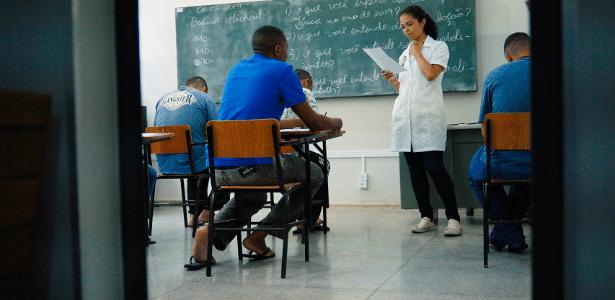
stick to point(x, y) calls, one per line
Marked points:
point(363, 180)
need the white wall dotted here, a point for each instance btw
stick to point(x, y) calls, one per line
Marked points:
point(97, 144)
point(366, 119)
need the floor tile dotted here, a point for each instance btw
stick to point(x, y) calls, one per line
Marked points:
point(370, 253)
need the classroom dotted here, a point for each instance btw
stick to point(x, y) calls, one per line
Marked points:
point(369, 117)
point(100, 61)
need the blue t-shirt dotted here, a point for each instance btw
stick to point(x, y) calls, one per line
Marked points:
point(258, 88)
point(507, 90)
point(185, 106)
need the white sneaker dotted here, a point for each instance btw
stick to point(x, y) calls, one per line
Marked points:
point(424, 225)
point(453, 228)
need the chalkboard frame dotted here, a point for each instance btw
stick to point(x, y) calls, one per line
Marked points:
point(220, 35)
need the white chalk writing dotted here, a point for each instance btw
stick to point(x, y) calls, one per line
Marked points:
point(206, 61)
point(381, 13)
point(300, 23)
point(338, 5)
point(311, 10)
point(364, 78)
point(324, 37)
point(203, 22)
point(450, 17)
point(351, 50)
point(202, 51)
point(204, 9)
point(452, 38)
point(367, 29)
point(200, 38)
point(366, 3)
point(239, 18)
point(459, 68)
point(319, 64)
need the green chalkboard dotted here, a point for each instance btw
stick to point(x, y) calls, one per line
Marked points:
point(325, 37)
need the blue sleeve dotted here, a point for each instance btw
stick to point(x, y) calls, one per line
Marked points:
point(486, 99)
point(290, 87)
point(210, 111)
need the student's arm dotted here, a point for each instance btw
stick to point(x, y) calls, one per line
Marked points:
point(314, 121)
point(291, 123)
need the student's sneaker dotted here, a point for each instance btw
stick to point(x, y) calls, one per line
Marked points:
point(518, 249)
point(424, 225)
point(496, 245)
point(453, 228)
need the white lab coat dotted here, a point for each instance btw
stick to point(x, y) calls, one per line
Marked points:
point(418, 121)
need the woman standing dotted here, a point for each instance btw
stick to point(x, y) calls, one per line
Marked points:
point(418, 123)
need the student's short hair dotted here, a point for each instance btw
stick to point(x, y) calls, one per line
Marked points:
point(517, 42)
point(266, 38)
point(196, 83)
point(303, 74)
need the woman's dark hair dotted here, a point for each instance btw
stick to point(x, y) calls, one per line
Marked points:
point(266, 38)
point(417, 12)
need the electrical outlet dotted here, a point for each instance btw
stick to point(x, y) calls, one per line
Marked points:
point(363, 180)
point(363, 184)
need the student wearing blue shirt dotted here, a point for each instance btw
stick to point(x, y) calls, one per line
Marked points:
point(260, 88)
point(189, 105)
point(506, 90)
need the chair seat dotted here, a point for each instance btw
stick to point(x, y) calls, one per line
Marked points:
point(259, 187)
point(509, 182)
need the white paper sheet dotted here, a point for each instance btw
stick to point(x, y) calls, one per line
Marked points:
point(383, 60)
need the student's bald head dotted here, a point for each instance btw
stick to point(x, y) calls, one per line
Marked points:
point(517, 43)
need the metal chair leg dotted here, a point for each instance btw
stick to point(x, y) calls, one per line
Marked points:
point(151, 209)
point(486, 225)
point(181, 180)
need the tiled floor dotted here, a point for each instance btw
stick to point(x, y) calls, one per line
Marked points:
point(370, 253)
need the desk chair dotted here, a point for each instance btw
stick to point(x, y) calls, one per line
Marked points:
point(504, 131)
point(252, 139)
point(178, 144)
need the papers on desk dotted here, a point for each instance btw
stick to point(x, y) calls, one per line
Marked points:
point(465, 123)
point(149, 134)
point(383, 60)
point(294, 130)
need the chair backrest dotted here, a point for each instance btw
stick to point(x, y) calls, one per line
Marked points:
point(177, 144)
point(509, 131)
point(243, 139)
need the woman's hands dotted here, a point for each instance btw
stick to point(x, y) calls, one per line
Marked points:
point(415, 48)
point(390, 77)
point(428, 70)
